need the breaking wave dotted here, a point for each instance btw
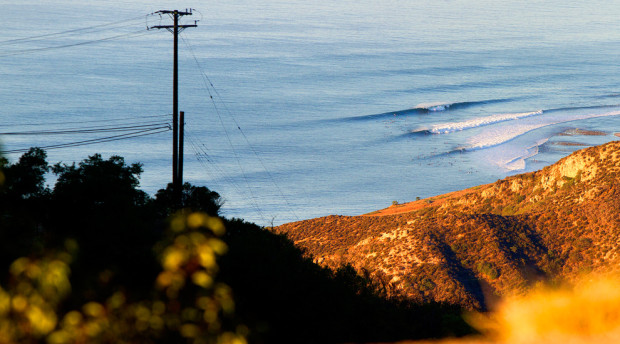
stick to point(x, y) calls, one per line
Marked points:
point(497, 136)
point(445, 128)
point(494, 143)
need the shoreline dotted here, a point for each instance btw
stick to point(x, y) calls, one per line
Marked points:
point(426, 202)
point(440, 199)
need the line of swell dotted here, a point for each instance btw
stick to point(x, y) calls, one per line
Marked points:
point(425, 108)
point(446, 128)
point(451, 127)
point(590, 107)
point(511, 136)
point(612, 95)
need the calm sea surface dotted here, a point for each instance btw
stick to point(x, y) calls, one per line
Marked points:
point(299, 109)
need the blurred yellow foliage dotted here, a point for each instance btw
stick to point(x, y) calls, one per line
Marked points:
point(29, 306)
point(586, 313)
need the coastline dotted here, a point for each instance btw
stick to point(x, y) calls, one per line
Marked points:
point(426, 202)
point(440, 199)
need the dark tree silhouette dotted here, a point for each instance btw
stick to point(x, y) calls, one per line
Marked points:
point(97, 183)
point(195, 198)
point(26, 178)
point(23, 199)
point(97, 203)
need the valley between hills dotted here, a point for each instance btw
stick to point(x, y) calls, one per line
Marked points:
point(473, 247)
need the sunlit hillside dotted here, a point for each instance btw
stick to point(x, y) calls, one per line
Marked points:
point(493, 241)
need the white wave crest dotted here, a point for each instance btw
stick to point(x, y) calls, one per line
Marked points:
point(497, 136)
point(446, 128)
point(439, 106)
point(517, 163)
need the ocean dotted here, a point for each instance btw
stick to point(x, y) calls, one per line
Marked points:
point(300, 109)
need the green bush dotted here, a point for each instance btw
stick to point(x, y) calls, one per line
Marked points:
point(488, 269)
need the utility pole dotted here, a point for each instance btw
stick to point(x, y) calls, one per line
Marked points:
point(177, 140)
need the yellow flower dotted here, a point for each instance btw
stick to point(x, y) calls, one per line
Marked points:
point(19, 303)
point(218, 246)
point(93, 309)
point(190, 330)
point(19, 266)
point(72, 319)
point(5, 302)
point(42, 322)
point(173, 258)
point(196, 220)
point(202, 279)
point(59, 337)
point(206, 257)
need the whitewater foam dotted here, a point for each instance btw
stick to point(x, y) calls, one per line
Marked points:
point(518, 163)
point(446, 128)
point(513, 158)
point(504, 134)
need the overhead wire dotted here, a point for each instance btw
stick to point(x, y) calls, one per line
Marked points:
point(236, 155)
point(201, 153)
point(141, 32)
point(131, 130)
point(138, 133)
point(106, 120)
point(88, 130)
point(238, 160)
point(137, 130)
point(208, 83)
point(60, 33)
point(201, 156)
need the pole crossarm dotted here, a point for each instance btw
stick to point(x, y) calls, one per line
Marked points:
point(181, 13)
point(172, 26)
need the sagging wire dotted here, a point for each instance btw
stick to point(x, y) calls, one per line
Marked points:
point(88, 130)
point(201, 153)
point(32, 50)
point(238, 160)
point(107, 120)
point(135, 134)
point(60, 33)
point(208, 83)
point(236, 155)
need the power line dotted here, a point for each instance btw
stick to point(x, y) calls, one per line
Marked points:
point(207, 80)
point(131, 120)
point(88, 130)
point(60, 33)
point(236, 155)
point(200, 150)
point(26, 51)
point(139, 133)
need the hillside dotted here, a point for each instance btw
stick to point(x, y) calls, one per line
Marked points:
point(472, 246)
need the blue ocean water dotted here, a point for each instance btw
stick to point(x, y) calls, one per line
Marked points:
point(302, 109)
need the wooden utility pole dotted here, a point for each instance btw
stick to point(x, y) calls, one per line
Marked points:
point(177, 140)
point(181, 138)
